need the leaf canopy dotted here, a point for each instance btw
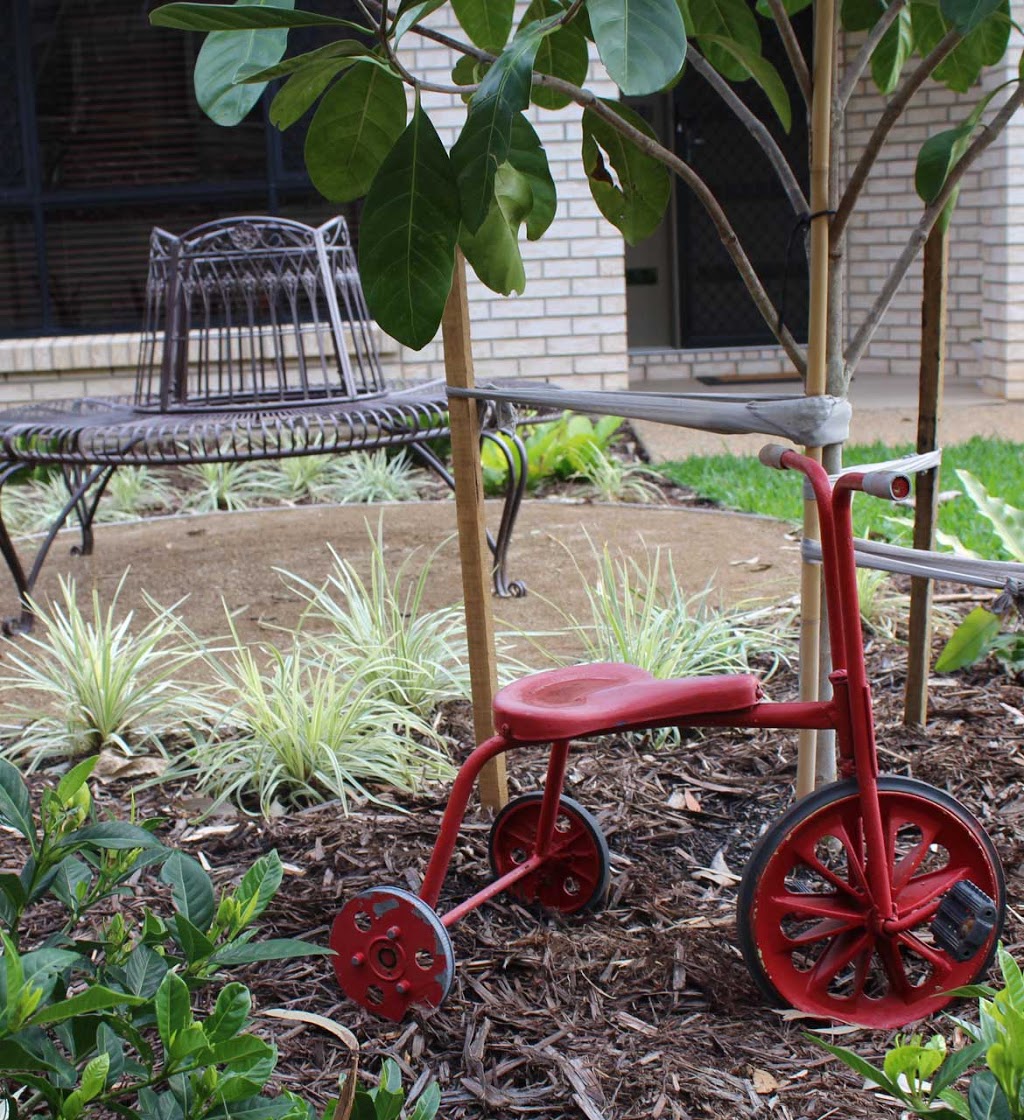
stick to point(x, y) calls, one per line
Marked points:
point(486, 22)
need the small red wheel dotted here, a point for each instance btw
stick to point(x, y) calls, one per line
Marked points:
point(392, 952)
point(807, 924)
point(575, 874)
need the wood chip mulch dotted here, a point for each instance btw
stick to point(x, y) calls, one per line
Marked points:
point(644, 1010)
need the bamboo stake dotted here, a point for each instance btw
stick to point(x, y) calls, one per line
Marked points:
point(469, 511)
point(929, 413)
point(810, 579)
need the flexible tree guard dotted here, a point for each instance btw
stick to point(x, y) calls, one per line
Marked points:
point(929, 565)
point(810, 421)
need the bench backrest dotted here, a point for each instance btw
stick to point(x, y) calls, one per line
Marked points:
point(255, 312)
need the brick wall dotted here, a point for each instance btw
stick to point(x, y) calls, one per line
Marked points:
point(886, 213)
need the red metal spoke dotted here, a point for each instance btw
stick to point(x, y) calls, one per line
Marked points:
point(817, 906)
point(808, 857)
point(924, 893)
point(844, 949)
point(824, 930)
point(895, 970)
point(939, 961)
point(904, 869)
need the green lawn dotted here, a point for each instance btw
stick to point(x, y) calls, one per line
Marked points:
point(741, 483)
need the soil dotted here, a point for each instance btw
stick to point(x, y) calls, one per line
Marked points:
point(645, 1009)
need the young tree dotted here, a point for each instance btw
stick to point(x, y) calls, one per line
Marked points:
point(422, 201)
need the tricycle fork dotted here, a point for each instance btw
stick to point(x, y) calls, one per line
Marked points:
point(451, 822)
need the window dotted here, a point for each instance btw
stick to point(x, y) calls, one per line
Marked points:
point(101, 140)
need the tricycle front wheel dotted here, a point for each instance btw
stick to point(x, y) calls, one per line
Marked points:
point(806, 921)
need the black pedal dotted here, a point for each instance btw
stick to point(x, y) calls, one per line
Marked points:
point(964, 920)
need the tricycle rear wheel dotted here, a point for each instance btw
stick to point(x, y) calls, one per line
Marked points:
point(805, 918)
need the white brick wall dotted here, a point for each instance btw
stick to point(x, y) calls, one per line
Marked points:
point(886, 213)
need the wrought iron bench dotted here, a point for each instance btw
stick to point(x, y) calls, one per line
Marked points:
point(256, 345)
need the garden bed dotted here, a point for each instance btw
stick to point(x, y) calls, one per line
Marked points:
point(644, 1010)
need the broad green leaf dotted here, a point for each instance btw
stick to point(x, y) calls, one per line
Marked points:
point(259, 885)
point(987, 1100)
point(274, 949)
point(861, 15)
point(144, 970)
point(892, 52)
point(15, 810)
point(527, 156)
point(427, 1103)
point(966, 15)
point(302, 89)
point(410, 14)
point(13, 889)
point(240, 17)
point(408, 233)
point(984, 46)
point(493, 251)
point(14, 1056)
point(354, 128)
point(935, 160)
point(191, 889)
point(114, 835)
point(173, 1008)
point(641, 42)
point(859, 1065)
point(1007, 520)
point(43, 967)
point(635, 197)
point(241, 1051)
point(1013, 979)
point(727, 21)
point(94, 998)
point(483, 145)
point(256, 1108)
point(468, 71)
point(342, 49)
point(224, 53)
point(229, 1013)
point(970, 641)
point(72, 881)
point(189, 1040)
point(913, 1060)
point(792, 7)
point(75, 778)
point(563, 54)
point(486, 22)
point(195, 945)
point(763, 73)
point(94, 1077)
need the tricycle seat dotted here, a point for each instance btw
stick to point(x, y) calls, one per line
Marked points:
point(608, 696)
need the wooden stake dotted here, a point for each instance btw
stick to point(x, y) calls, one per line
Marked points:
point(817, 336)
point(473, 551)
point(929, 412)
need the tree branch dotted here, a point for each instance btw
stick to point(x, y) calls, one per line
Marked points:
point(852, 76)
point(792, 48)
point(755, 127)
point(867, 329)
point(890, 115)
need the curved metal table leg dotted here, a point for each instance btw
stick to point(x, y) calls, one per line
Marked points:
point(79, 483)
point(515, 488)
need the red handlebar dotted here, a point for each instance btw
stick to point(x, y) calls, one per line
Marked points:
point(881, 484)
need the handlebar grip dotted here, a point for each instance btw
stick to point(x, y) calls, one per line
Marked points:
point(771, 455)
point(891, 485)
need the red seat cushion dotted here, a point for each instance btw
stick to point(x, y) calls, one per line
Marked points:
point(607, 696)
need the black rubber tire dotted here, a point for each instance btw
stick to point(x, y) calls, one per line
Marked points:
point(599, 894)
point(814, 803)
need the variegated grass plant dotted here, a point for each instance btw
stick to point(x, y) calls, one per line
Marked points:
point(135, 491)
point(609, 479)
point(300, 478)
point(415, 657)
point(374, 476)
point(637, 616)
point(306, 731)
point(88, 683)
point(223, 486)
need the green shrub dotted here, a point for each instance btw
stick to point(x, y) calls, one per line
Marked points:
point(375, 476)
point(920, 1076)
point(98, 1017)
point(554, 450)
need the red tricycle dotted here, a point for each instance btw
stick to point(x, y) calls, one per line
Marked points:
point(867, 901)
